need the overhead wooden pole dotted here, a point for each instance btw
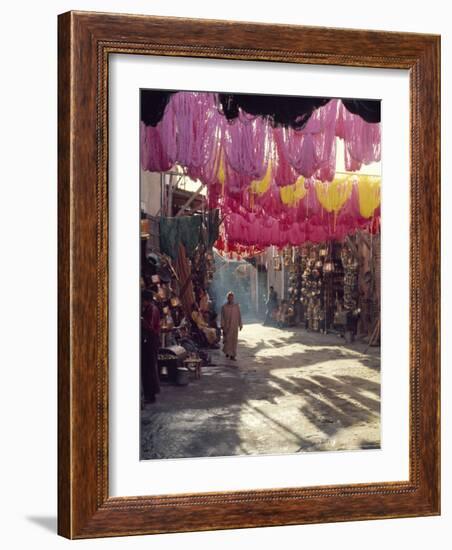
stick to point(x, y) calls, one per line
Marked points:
point(190, 200)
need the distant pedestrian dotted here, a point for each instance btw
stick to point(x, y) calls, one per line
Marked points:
point(272, 306)
point(231, 323)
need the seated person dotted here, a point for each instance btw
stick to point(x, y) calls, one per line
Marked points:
point(204, 305)
point(177, 315)
point(282, 315)
point(204, 301)
point(291, 316)
point(209, 333)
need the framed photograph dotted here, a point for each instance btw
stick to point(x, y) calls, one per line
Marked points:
point(248, 275)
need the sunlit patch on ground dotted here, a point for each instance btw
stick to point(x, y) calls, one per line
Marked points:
point(290, 391)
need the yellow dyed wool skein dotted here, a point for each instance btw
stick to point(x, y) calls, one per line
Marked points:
point(291, 194)
point(333, 195)
point(369, 195)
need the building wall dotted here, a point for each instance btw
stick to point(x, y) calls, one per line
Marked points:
point(253, 288)
point(150, 192)
point(275, 277)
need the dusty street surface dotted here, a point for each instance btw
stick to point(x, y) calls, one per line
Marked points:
point(289, 391)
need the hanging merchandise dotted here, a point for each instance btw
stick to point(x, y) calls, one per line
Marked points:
point(362, 141)
point(235, 251)
point(154, 157)
point(369, 195)
point(292, 194)
point(304, 211)
point(194, 133)
point(262, 185)
point(332, 196)
point(283, 173)
point(184, 273)
point(246, 146)
point(296, 269)
point(311, 291)
point(311, 151)
point(184, 229)
point(350, 265)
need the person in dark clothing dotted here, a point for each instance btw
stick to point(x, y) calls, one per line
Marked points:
point(150, 343)
point(272, 305)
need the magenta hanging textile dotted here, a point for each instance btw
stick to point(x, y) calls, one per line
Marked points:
point(270, 202)
point(152, 153)
point(325, 142)
point(311, 151)
point(235, 182)
point(309, 206)
point(189, 128)
point(167, 129)
point(362, 140)
point(265, 232)
point(265, 220)
point(246, 146)
point(282, 171)
point(249, 163)
point(299, 151)
point(214, 195)
point(194, 134)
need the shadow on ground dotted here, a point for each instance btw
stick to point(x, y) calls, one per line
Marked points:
point(290, 391)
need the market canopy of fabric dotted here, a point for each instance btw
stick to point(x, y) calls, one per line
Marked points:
point(274, 184)
point(196, 135)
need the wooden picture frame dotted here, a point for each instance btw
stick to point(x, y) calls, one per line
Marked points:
point(85, 42)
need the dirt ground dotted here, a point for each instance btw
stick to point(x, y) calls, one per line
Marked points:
point(289, 391)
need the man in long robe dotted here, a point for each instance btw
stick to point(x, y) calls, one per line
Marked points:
point(231, 323)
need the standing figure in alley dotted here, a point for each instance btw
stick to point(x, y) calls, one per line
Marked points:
point(150, 342)
point(231, 323)
point(272, 306)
